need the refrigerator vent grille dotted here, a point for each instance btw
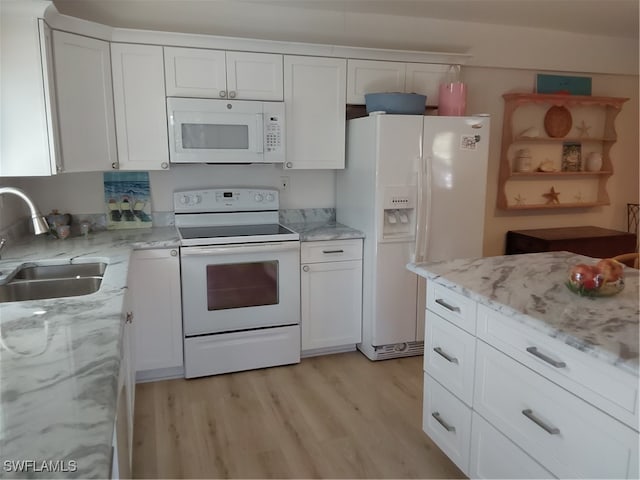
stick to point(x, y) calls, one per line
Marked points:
point(396, 351)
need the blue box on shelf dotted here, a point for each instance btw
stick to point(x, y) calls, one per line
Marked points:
point(563, 84)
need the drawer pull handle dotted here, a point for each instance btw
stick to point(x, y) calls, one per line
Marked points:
point(551, 430)
point(534, 351)
point(448, 358)
point(439, 301)
point(333, 251)
point(447, 427)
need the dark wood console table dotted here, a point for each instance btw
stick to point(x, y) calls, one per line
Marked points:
point(591, 241)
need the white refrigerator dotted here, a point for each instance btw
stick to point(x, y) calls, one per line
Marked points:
point(416, 186)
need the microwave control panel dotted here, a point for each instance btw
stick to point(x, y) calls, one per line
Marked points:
point(272, 133)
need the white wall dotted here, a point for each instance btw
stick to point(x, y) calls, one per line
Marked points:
point(82, 193)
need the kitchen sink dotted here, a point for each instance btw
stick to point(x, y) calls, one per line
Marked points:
point(22, 290)
point(37, 282)
point(46, 272)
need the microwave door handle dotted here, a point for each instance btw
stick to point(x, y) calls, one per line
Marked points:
point(259, 133)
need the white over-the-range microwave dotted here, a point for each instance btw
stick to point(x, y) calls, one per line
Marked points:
point(225, 131)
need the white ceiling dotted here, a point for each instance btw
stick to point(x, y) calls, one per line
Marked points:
point(617, 18)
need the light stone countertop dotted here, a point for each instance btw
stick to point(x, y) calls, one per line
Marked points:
point(329, 230)
point(531, 289)
point(60, 358)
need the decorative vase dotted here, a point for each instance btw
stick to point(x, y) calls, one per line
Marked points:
point(594, 162)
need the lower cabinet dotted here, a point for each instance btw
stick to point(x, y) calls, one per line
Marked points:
point(156, 301)
point(331, 295)
point(125, 400)
point(497, 413)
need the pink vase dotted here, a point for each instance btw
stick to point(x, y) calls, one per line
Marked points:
point(452, 99)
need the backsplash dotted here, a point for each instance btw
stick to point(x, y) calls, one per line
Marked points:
point(307, 215)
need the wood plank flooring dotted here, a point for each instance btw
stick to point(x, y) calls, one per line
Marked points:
point(334, 416)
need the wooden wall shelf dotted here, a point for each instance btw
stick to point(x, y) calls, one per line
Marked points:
point(524, 111)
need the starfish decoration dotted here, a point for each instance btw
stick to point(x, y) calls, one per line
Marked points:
point(583, 128)
point(520, 200)
point(551, 196)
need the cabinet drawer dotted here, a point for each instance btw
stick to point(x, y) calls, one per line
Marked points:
point(331, 251)
point(456, 308)
point(569, 437)
point(447, 421)
point(597, 382)
point(449, 356)
point(495, 456)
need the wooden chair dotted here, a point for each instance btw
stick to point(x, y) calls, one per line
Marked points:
point(629, 259)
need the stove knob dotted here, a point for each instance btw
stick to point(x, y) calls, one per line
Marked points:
point(197, 199)
point(258, 197)
point(270, 197)
point(184, 200)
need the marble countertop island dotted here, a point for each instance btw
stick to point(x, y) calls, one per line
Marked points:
point(531, 289)
point(60, 358)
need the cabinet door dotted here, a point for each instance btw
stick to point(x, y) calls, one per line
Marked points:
point(369, 76)
point(158, 318)
point(254, 76)
point(331, 300)
point(314, 94)
point(425, 78)
point(85, 102)
point(194, 72)
point(139, 103)
point(28, 139)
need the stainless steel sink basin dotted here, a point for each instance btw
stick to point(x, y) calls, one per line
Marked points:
point(20, 291)
point(45, 272)
point(38, 282)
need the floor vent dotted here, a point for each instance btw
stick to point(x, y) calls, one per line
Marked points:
point(398, 350)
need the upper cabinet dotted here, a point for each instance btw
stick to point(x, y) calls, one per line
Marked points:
point(556, 150)
point(370, 76)
point(314, 94)
point(193, 72)
point(139, 103)
point(82, 67)
point(28, 132)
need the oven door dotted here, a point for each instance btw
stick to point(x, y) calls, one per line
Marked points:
point(240, 287)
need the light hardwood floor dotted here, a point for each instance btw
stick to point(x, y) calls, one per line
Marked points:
point(335, 416)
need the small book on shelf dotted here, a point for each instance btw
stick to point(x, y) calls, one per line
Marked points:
point(571, 157)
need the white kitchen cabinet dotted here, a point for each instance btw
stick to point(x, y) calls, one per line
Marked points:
point(28, 132)
point(331, 295)
point(539, 408)
point(373, 76)
point(314, 94)
point(192, 72)
point(139, 104)
point(125, 399)
point(84, 90)
point(158, 318)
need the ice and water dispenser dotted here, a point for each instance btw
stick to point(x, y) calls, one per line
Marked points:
point(399, 211)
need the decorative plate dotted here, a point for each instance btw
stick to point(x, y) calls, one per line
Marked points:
point(557, 122)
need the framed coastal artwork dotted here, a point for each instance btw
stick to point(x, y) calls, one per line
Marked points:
point(127, 197)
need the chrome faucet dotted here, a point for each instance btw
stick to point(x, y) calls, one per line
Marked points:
point(40, 224)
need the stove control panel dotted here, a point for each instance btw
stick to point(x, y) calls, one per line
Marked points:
point(235, 199)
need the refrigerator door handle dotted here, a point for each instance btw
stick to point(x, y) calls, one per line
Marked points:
point(423, 211)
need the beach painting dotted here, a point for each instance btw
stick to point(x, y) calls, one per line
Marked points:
point(127, 197)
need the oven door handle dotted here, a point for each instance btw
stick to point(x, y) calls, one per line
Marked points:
point(245, 248)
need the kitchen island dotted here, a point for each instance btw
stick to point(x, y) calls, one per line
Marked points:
point(519, 367)
point(60, 358)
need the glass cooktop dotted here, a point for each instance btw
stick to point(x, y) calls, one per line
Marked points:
point(224, 231)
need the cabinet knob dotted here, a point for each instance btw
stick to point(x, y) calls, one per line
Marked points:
point(288, 165)
point(305, 268)
point(223, 93)
point(129, 318)
point(115, 165)
point(232, 94)
point(58, 168)
point(164, 165)
point(174, 253)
